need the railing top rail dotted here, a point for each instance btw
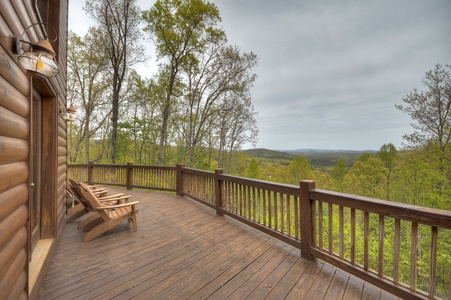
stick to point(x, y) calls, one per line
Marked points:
point(268, 185)
point(109, 166)
point(417, 214)
point(124, 166)
point(153, 167)
point(198, 172)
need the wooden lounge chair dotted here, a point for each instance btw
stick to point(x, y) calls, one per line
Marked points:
point(111, 215)
point(79, 206)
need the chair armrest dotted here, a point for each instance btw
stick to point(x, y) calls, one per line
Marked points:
point(111, 197)
point(119, 205)
point(118, 199)
point(96, 192)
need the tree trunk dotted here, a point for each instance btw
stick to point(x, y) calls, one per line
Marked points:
point(115, 113)
point(87, 136)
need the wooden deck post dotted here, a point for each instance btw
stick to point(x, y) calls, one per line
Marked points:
point(129, 175)
point(90, 171)
point(218, 191)
point(306, 213)
point(179, 180)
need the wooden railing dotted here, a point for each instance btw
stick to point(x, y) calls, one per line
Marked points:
point(403, 249)
point(129, 175)
point(353, 233)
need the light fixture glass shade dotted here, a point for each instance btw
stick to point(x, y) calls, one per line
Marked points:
point(38, 63)
point(68, 117)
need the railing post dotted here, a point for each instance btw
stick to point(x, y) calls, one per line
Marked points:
point(218, 191)
point(179, 180)
point(306, 213)
point(90, 171)
point(129, 175)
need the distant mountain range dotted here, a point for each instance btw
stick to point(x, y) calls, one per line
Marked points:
point(300, 151)
point(318, 158)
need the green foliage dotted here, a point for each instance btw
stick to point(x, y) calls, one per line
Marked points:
point(367, 177)
point(297, 170)
point(338, 174)
point(253, 170)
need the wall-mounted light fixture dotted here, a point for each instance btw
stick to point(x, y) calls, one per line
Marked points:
point(40, 60)
point(68, 113)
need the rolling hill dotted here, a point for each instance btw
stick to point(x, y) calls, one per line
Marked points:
point(318, 158)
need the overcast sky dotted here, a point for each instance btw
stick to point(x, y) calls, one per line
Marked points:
point(330, 71)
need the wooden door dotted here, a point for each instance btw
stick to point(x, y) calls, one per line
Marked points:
point(36, 171)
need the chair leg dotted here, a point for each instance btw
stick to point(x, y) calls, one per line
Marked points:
point(76, 215)
point(103, 228)
point(94, 216)
point(135, 223)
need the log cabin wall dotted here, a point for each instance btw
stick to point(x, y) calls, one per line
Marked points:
point(23, 261)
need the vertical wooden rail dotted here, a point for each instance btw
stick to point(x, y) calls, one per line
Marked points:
point(366, 229)
point(413, 257)
point(179, 180)
point(380, 268)
point(306, 220)
point(341, 233)
point(433, 264)
point(218, 191)
point(353, 245)
point(320, 225)
point(397, 247)
point(129, 176)
point(330, 240)
point(90, 172)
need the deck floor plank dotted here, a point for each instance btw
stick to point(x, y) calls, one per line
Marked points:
point(183, 250)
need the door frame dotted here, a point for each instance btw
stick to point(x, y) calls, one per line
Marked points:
point(48, 157)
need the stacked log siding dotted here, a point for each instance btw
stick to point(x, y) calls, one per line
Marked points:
point(15, 114)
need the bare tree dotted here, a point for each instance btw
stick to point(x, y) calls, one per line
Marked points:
point(118, 24)
point(86, 89)
point(212, 74)
point(235, 127)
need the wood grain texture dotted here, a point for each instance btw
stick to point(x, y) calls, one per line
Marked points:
point(183, 250)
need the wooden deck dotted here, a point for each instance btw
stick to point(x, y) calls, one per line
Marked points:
point(183, 250)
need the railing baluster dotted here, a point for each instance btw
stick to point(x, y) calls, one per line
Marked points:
point(330, 228)
point(270, 209)
point(296, 217)
point(249, 202)
point(381, 246)
point(341, 229)
point(240, 199)
point(397, 245)
point(320, 225)
point(433, 264)
point(366, 229)
point(282, 206)
point(314, 226)
point(413, 256)
point(276, 219)
point(254, 205)
point(264, 207)
point(353, 245)
point(288, 214)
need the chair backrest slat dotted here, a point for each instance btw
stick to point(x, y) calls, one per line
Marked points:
point(93, 201)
